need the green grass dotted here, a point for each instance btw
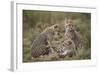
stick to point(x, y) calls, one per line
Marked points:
point(32, 28)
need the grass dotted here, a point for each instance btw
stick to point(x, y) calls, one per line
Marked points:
point(32, 33)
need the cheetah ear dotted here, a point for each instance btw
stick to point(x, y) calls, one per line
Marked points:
point(63, 44)
point(55, 26)
point(65, 21)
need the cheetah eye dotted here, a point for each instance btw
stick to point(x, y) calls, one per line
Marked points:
point(72, 25)
point(69, 25)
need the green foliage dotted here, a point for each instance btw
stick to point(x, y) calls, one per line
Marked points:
point(34, 22)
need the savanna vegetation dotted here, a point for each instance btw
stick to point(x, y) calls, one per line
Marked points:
point(34, 22)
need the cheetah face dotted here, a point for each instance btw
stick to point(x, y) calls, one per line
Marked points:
point(69, 25)
point(70, 28)
point(56, 31)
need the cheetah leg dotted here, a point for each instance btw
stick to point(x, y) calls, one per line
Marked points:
point(49, 44)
